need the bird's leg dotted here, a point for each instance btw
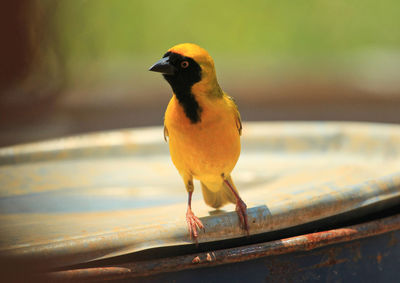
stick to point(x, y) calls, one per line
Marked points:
point(241, 208)
point(192, 221)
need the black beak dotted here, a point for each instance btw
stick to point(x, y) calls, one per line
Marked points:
point(163, 66)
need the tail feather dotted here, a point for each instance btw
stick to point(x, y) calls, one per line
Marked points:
point(218, 194)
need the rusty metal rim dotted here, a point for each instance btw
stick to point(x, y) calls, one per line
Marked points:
point(238, 254)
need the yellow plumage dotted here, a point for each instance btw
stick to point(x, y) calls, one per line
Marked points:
point(208, 149)
point(203, 127)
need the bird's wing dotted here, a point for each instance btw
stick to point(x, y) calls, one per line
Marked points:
point(239, 123)
point(165, 133)
point(234, 106)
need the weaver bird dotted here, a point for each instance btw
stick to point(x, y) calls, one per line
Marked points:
point(203, 127)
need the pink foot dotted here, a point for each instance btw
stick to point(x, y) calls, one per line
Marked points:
point(241, 209)
point(194, 224)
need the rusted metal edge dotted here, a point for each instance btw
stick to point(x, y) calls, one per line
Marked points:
point(238, 254)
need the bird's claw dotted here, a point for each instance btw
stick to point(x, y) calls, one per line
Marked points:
point(241, 209)
point(194, 224)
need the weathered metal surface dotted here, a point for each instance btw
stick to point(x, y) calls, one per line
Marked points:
point(84, 198)
point(245, 253)
point(371, 259)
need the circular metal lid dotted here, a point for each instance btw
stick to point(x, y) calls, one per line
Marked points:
point(88, 197)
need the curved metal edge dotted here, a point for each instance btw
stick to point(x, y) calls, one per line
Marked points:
point(121, 141)
point(239, 254)
point(124, 141)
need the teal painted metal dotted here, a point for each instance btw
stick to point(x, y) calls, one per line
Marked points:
point(96, 196)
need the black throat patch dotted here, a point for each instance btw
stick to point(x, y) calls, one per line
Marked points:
point(187, 73)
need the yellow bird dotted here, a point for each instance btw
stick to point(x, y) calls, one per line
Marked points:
point(203, 127)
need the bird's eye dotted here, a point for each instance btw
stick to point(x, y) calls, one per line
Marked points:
point(184, 64)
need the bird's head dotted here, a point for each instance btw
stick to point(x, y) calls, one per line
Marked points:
point(188, 68)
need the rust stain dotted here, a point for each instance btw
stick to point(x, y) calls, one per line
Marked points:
point(332, 260)
point(329, 259)
point(393, 241)
point(317, 239)
point(356, 251)
point(89, 274)
point(379, 258)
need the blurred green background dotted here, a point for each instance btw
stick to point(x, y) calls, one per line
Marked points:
point(74, 66)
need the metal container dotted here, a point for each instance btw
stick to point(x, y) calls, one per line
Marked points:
point(323, 203)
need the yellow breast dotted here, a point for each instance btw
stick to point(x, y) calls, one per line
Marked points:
point(208, 148)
